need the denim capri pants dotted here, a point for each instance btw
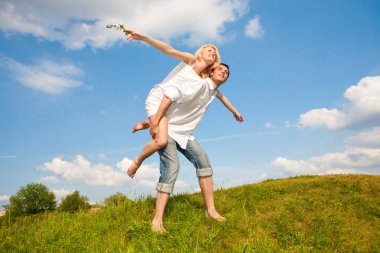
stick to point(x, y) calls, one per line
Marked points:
point(169, 163)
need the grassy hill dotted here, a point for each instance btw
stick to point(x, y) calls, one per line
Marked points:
point(337, 213)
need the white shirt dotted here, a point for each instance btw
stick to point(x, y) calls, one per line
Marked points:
point(190, 103)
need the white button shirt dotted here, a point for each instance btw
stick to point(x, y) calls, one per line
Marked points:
point(190, 103)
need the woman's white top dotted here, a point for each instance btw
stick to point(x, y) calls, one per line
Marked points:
point(190, 95)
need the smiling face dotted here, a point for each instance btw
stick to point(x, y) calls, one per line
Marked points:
point(208, 54)
point(219, 75)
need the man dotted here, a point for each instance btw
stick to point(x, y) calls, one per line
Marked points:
point(184, 115)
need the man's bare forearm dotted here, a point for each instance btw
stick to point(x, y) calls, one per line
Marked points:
point(164, 106)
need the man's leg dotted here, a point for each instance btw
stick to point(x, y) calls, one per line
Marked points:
point(196, 155)
point(162, 199)
point(207, 188)
point(169, 168)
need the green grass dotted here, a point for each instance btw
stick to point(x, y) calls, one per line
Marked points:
point(302, 214)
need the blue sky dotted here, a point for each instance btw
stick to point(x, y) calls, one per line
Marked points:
point(304, 74)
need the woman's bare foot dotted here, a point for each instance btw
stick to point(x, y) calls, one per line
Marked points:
point(158, 228)
point(133, 168)
point(215, 215)
point(140, 126)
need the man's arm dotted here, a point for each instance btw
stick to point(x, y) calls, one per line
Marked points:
point(164, 106)
point(229, 106)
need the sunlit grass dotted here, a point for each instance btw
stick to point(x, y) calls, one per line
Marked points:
point(303, 214)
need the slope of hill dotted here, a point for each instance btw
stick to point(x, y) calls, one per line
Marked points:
point(336, 213)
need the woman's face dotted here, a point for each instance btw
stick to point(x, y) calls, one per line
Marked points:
point(209, 55)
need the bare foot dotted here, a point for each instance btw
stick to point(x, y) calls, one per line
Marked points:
point(140, 126)
point(215, 215)
point(133, 168)
point(158, 228)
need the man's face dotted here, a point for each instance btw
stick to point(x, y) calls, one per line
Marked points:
point(219, 74)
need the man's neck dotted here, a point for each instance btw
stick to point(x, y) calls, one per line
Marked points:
point(215, 83)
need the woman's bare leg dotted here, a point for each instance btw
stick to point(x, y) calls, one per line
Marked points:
point(141, 126)
point(151, 147)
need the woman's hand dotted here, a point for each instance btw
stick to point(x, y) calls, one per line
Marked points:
point(134, 35)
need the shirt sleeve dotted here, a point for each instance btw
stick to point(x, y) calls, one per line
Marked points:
point(182, 93)
point(173, 94)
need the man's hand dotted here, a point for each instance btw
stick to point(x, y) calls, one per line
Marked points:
point(239, 117)
point(154, 132)
point(154, 128)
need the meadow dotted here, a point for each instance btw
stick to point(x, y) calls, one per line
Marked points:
point(334, 213)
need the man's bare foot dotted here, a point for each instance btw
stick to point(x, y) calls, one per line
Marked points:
point(215, 215)
point(158, 228)
point(133, 168)
point(140, 126)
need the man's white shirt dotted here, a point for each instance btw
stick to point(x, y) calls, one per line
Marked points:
point(189, 104)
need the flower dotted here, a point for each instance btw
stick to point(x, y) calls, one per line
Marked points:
point(117, 27)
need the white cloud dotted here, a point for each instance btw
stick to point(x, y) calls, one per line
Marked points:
point(61, 193)
point(287, 124)
point(44, 75)
point(81, 170)
point(192, 22)
point(363, 108)
point(181, 184)
point(341, 171)
point(353, 159)
point(253, 28)
point(49, 179)
point(261, 177)
point(366, 139)
point(4, 198)
point(146, 176)
point(147, 184)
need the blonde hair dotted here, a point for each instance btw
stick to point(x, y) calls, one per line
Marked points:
point(198, 54)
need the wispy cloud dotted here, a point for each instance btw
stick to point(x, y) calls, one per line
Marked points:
point(269, 125)
point(44, 75)
point(363, 108)
point(195, 23)
point(8, 156)
point(238, 136)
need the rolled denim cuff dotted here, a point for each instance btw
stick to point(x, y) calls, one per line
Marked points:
point(162, 187)
point(204, 172)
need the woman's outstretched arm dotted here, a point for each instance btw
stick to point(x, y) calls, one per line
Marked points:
point(160, 45)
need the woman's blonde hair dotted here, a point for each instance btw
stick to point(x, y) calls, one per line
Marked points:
point(206, 72)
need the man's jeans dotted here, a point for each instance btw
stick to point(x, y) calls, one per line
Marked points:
point(169, 163)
